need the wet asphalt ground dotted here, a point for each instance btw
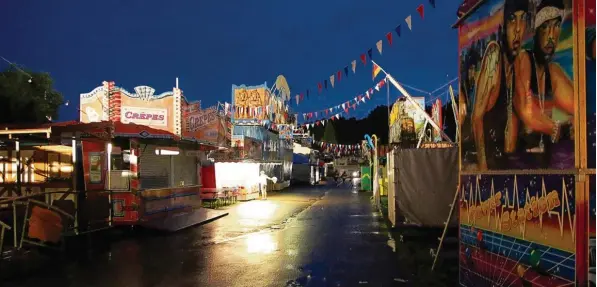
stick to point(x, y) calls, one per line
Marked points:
point(303, 236)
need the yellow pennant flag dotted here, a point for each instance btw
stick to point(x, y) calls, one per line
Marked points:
point(376, 70)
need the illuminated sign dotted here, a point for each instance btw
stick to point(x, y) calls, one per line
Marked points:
point(145, 116)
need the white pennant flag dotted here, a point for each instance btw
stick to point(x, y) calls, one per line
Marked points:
point(323, 123)
point(354, 66)
point(330, 110)
point(332, 80)
point(367, 94)
point(377, 88)
point(379, 45)
point(408, 22)
point(338, 116)
point(343, 106)
point(363, 99)
point(297, 99)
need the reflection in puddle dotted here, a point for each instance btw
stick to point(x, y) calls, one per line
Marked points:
point(257, 210)
point(261, 243)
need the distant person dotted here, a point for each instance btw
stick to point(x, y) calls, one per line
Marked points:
point(263, 184)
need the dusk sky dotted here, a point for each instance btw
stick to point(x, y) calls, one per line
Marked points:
point(211, 45)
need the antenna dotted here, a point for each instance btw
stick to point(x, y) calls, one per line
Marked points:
point(177, 83)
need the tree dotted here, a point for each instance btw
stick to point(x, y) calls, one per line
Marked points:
point(27, 100)
point(329, 134)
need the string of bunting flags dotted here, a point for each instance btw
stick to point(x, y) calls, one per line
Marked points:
point(338, 148)
point(337, 76)
point(320, 116)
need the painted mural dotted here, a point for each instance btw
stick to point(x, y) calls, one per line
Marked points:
point(516, 86)
point(406, 121)
point(251, 102)
point(517, 230)
point(590, 78)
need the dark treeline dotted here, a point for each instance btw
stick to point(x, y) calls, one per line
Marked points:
point(352, 130)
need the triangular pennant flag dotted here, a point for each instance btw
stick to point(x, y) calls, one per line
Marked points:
point(338, 116)
point(397, 29)
point(432, 2)
point(367, 95)
point(330, 110)
point(364, 59)
point(318, 87)
point(354, 66)
point(297, 99)
point(355, 99)
point(389, 37)
point(409, 22)
point(339, 76)
point(343, 106)
point(370, 53)
point(377, 87)
point(332, 80)
point(363, 99)
point(379, 45)
point(376, 70)
point(323, 122)
point(346, 71)
point(421, 10)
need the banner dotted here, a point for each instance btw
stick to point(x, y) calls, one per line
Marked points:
point(407, 122)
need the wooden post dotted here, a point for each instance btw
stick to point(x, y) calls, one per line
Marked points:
point(441, 240)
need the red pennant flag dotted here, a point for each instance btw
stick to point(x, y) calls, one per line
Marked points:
point(421, 10)
point(364, 59)
point(319, 87)
point(389, 37)
point(338, 76)
point(302, 97)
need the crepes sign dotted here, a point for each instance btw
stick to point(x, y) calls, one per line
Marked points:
point(200, 119)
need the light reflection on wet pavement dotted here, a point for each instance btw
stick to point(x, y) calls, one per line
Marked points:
point(292, 239)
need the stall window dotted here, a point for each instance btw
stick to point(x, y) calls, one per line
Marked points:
point(121, 161)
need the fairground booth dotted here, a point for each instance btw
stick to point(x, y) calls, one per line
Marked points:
point(421, 164)
point(132, 159)
point(261, 141)
point(527, 143)
point(155, 154)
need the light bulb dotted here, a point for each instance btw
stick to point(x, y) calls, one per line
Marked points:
point(29, 80)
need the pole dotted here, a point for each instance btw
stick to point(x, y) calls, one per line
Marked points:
point(409, 97)
point(388, 103)
point(441, 240)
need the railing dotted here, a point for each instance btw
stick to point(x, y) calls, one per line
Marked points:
point(76, 215)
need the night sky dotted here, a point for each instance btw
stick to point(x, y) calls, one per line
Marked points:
point(211, 45)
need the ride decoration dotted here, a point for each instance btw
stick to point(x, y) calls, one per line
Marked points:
point(336, 77)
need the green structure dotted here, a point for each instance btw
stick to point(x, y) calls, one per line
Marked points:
point(366, 178)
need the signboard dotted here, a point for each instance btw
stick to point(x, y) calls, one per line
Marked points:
point(144, 116)
point(251, 102)
point(436, 115)
point(203, 124)
point(406, 120)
